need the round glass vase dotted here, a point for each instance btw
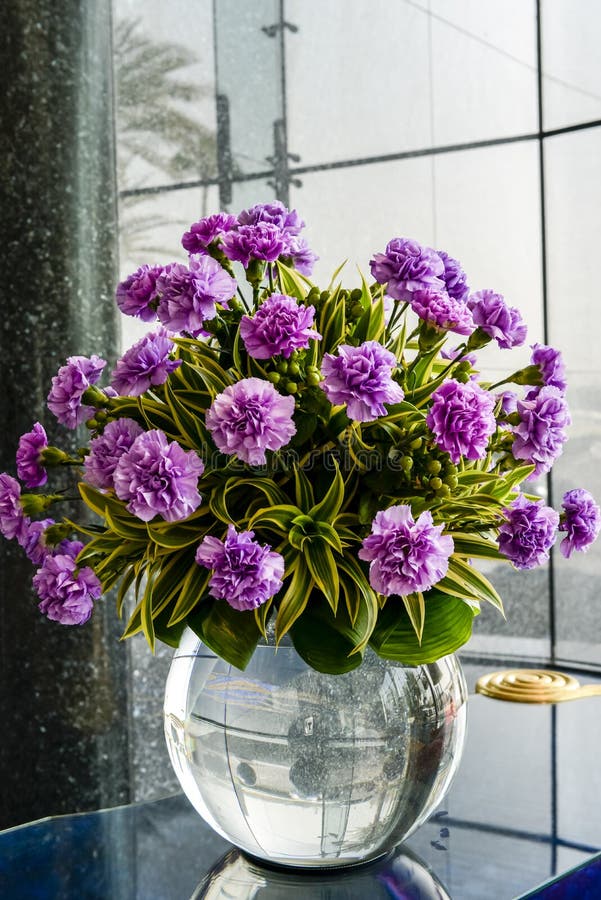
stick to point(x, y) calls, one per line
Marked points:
point(304, 769)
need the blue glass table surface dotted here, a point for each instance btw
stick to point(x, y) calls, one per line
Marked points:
point(524, 809)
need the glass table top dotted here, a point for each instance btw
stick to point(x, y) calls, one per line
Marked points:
point(523, 810)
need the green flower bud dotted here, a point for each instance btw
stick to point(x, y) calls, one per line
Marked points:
point(274, 377)
point(406, 463)
point(53, 456)
point(293, 368)
point(282, 366)
point(433, 467)
point(451, 481)
point(436, 483)
point(255, 272)
point(416, 443)
point(443, 491)
point(291, 387)
point(478, 339)
point(313, 379)
point(35, 504)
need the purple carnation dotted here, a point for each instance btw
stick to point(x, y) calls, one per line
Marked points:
point(70, 548)
point(107, 449)
point(262, 241)
point(581, 519)
point(442, 311)
point(207, 230)
point(303, 258)
point(158, 478)
point(69, 386)
point(528, 532)
point(246, 573)
point(470, 358)
point(461, 419)
point(274, 213)
point(250, 417)
point(145, 364)
point(406, 555)
point(279, 326)
point(138, 295)
point(361, 378)
point(509, 402)
point(407, 267)
point(497, 320)
point(189, 294)
point(551, 366)
point(540, 435)
point(13, 522)
point(32, 540)
point(29, 467)
point(66, 591)
point(454, 277)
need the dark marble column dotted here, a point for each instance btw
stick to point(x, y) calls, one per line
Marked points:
point(63, 691)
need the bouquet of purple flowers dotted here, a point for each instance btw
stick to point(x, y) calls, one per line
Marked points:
point(319, 460)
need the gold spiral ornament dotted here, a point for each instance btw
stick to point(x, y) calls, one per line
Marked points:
point(534, 686)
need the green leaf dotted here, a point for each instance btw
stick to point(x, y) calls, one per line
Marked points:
point(292, 282)
point(332, 322)
point(230, 633)
point(329, 535)
point(99, 502)
point(191, 593)
point(371, 325)
point(510, 482)
point(416, 610)
point(241, 486)
point(475, 546)
point(128, 529)
point(277, 518)
point(447, 626)
point(328, 508)
point(191, 434)
point(481, 587)
point(321, 564)
point(146, 610)
point(336, 274)
point(326, 642)
point(262, 614)
point(168, 634)
point(352, 597)
point(125, 585)
point(294, 601)
point(366, 620)
point(177, 537)
point(305, 498)
point(475, 476)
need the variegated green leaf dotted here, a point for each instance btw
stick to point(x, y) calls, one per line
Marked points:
point(416, 610)
point(322, 566)
point(328, 508)
point(277, 518)
point(192, 592)
point(475, 546)
point(294, 601)
point(305, 498)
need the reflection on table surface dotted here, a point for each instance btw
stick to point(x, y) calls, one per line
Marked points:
point(522, 810)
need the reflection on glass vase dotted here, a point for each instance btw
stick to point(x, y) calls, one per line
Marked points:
point(400, 874)
point(304, 769)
